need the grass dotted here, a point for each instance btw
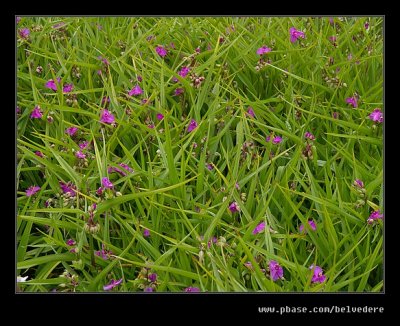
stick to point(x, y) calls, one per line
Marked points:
point(183, 182)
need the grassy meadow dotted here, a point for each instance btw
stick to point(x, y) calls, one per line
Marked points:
point(195, 154)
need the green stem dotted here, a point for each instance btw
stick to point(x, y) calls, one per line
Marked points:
point(92, 250)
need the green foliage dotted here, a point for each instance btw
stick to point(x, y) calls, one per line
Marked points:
point(183, 182)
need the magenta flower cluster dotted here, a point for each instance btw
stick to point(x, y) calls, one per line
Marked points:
point(161, 51)
point(312, 225)
point(68, 188)
point(353, 101)
point(135, 91)
point(318, 274)
point(295, 34)
point(192, 125)
point(37, 113)
point(276, 270)
point(276, 140)
point(107, 117)
point(259, 228)
point(234, 207)
point(32, 190)
point(374, 216)
point(112, 285)
point(376, 116)
point(263, 50)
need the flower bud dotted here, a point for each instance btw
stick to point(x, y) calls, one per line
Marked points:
point(201, 256)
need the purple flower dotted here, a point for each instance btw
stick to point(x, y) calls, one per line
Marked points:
point(366, 25)
point(161, 51)
point(107, 117)
point(209, 166)
point(39, 153)
point(276, 140)
point(263, 50)
point(151, 126)
point(126, 167)
point(352, 100)
point(318, 276)
point(276, 271)
point(80, 155)
point(172, 45)
point(152, 277)
point(112, 169)
point(51, 84)
point(105, 99)
point(146, 233)
point(178, 91)
point(335, 115)
point(311, 223)
point(71, 242)
point(376, 115)
point(160, 116)
point(83, 145)
point(250, 112)
point(71, 131)
point(192, 289)
point(234, 207)
point(259, 228)
point(192, 125)
point(68, 188)
point(267, 139)
point(375, 215)
point(106, 183)
point(358, 183)
point(237, 186)
point(24, 33)
point(148, 289)
point(99, 191)
point(104, 60)
point(32, 190)
point(18, 19)
point(214, 240)
point(184, 71)
point(309, 135)
point(112, 285)
point(103, 253)
point(295, 34)
point(68, 88)
point(37, 113)
point(249, 265)
point(135, 91)
point(332, 38)
point(139, 78)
